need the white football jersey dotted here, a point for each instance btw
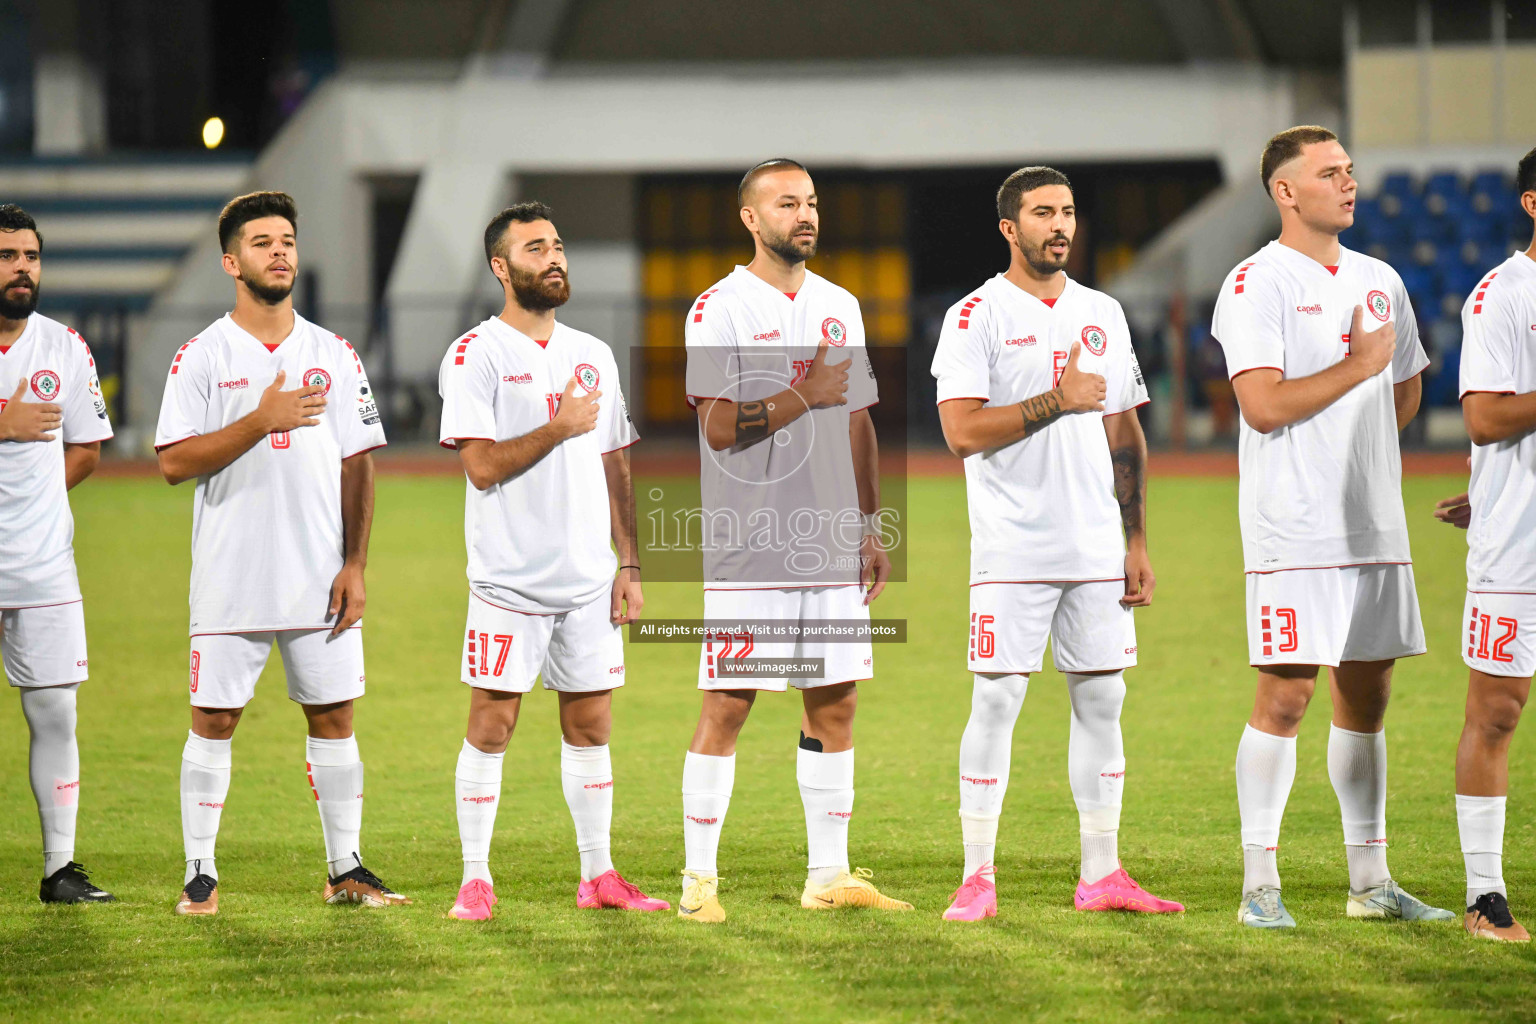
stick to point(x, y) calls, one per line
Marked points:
point(792, 500)
point(1326, 490)
point(1042, 508)
point(1498, 353)
point(266, 529)
point(538, 542)
point(37, 554)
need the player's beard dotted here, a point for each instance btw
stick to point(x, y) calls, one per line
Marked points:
point(538, 293)
point(271, 294)
point(12, 308)
point(1041, 260)
point(786, 248)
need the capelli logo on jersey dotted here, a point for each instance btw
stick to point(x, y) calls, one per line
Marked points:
point(1022, 342)
point(616, 670)
point(772, 335)
point(518, 378)
point(1316, 309)
point(235, 385)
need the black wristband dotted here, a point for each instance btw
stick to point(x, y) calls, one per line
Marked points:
point(634, 567)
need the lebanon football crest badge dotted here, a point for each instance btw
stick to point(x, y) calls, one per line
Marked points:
point(46, 385)
point(1095, 340)
point(1379, 305)
point(317, 378)
point(586, 376)
point(833, 332)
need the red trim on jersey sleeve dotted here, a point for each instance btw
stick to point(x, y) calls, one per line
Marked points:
point(1250, 369)
point(169, 444)
point(96, 440)
point(694, 400)
point(1130, 408)
point(1482, 289)
point(963, 398)
point(463, 345)
point(1480, 391)
point(621, 447)
point(698, 307)
point(1242, 274)
point(965, 312)
point(452, 444)
point(88, 357)
point(863, 407)
point(364, 451)
point(176, 362)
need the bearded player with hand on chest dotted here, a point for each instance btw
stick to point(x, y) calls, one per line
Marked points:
point(534, 409)
point(51, 429)
point(280, 525)
point(1038, 388)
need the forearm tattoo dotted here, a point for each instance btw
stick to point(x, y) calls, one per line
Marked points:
point(1131, 488)
point(751, 421)
point(1040, 410)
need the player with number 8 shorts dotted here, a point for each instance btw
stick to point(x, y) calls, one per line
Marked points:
point(274, 418)
point(1324, 354)
point(1498, 641)
point(1038, 388)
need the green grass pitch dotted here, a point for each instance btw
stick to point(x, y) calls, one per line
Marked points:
point(275, 952)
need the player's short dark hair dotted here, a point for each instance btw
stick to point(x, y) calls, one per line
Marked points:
point(1010, 196)
point(14, 218)
point(1525, 176)
point(778, 163)
point(522, 213)
point(241, 210)
point(1287, 146)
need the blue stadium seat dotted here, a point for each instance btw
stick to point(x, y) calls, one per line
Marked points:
point(1442, 183)
point(1397, 183)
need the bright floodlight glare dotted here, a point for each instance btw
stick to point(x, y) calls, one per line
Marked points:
point(213, 132)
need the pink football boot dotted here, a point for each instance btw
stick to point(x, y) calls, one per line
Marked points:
point(976, 898)
point(610, 890)
point(1118, 891)
point(476, 898)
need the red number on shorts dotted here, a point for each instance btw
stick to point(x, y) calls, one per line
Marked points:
point(983, 643)
point(504, 641)
point(554, 404)
point(1288, 639)
point(747, 645)
point(1499, 646)
point(197, 661)
point(279, 438)
point(1482, 642)
point(1060, 365)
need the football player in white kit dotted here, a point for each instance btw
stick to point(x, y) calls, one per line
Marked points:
point(1324, 355)
point(1498, 403)
point(280, 524)
point(1038, 388)
point(51, 429)
point(785, 437)
point(535, 411)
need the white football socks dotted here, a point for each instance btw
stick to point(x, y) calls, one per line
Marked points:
point(586, 775)
point(1096, 768)
point(54, 768)
point(477, 794)
point(1266, 769)
point(707, 785)
point(986, 750)
point(205, 767)
point(1480, 819)
point(1357, 767)
point(826, 791)
point(336, 778)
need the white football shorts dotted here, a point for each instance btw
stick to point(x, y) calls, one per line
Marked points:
point(579, 651)
point(1325, 616)
point(1501, 634)
point(321, 669)
point(841, 662)
point(1089, 629)
point(44, 646)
